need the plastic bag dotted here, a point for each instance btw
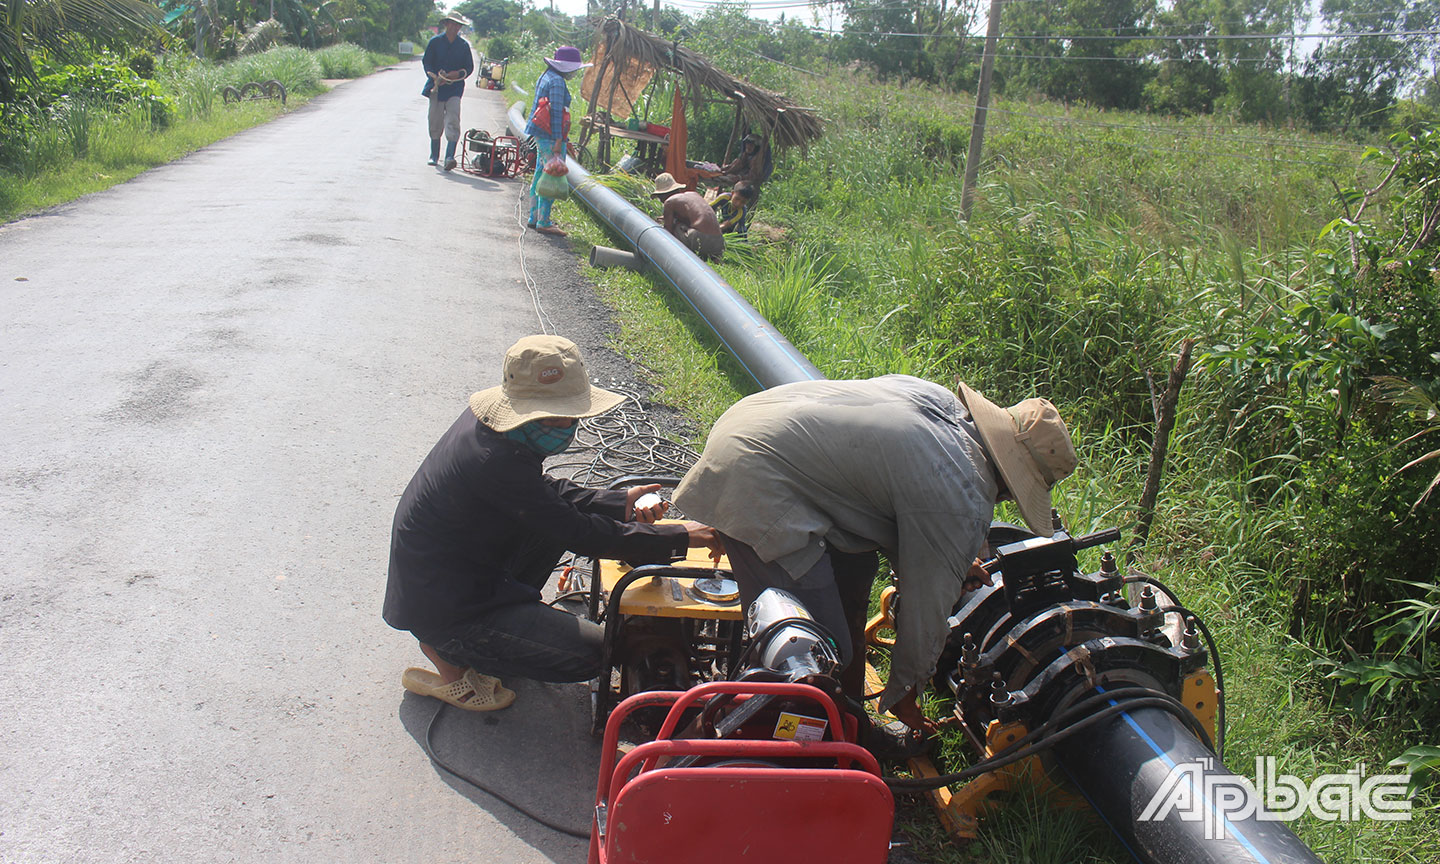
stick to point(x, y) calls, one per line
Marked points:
point(553, 187)
point(556, 167)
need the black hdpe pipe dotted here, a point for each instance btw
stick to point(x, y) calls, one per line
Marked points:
point(767, 356)
point(1199, 813)
point(1119, 766)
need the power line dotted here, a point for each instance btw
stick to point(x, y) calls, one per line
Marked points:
point(1058, 37)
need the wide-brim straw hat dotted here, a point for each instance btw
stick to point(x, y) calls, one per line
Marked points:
point(457, 18)
point(543, 376)
point(1030, 446)
point(665, 184)
point(567, 59)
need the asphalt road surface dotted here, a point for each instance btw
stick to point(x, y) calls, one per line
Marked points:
point(215, 381)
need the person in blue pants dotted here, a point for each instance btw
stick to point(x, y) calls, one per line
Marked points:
point(551, 127)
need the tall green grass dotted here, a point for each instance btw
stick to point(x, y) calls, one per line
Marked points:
point(79, 146)
point(345, 61)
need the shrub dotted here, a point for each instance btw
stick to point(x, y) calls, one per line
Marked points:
point(344, 61)
point(296, 68)
point(105, 82)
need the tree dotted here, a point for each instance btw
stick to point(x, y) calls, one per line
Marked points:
point(1099, 71)
point(1354, 82)
point(65, 29)
point(491, 17)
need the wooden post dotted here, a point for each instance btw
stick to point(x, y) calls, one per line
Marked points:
point(982, 103)
point(655, 18)
point(1164, 424)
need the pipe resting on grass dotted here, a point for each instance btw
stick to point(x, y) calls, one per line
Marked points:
point(765, 354)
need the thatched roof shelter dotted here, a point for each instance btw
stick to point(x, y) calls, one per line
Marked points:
point(780, 118)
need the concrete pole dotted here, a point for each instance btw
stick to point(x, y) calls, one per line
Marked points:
point(982, 102)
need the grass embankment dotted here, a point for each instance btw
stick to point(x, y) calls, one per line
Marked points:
point(84, 147)
point(1099, 240)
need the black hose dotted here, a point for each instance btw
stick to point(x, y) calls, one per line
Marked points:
point(443, 766)
point(1020, 750)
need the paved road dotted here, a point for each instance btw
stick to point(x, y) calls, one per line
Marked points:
point(215, 380)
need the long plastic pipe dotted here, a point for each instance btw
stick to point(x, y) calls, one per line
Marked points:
point(767, 355)
point(1122, 766)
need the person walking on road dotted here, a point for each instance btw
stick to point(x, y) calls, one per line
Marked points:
point(549, 125)
point(480, 528)
point(448, 62)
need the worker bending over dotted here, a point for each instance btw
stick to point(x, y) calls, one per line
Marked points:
point(481, 527)
point(688, 216)
point(806, 481)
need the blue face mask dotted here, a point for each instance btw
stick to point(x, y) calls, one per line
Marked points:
point(543, 440)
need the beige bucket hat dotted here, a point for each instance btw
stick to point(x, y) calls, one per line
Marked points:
point(665, 184)
point(1030, 445)
point(543, 377)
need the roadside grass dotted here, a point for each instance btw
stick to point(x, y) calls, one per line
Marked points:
point(1100, 240)
point(123, 148)
point(88, 148)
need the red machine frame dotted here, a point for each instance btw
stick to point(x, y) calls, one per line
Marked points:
point(505, 154)
point(647, 811)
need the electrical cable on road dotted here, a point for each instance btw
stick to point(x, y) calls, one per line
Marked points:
point(459, 775)
point(546, 325)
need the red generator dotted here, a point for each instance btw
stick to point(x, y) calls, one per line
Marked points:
point(788, 783)
point(485, 155)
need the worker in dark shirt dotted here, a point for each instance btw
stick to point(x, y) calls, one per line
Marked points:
point(447, 62)
point(481, 527)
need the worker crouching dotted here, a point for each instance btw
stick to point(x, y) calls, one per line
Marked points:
point(480, 528)
point(688, 216)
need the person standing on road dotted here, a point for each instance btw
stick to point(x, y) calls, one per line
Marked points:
point(688, 216)
point(481, 527)
point(448, 62)
point(549, 125)
point(806, 481)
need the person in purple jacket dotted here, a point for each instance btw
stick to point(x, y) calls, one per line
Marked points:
point(551, 130)
point(480, 528)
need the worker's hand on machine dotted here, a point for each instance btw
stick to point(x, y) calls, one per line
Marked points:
point(907, 711)
point(642, 509)
point(704, 535)
point(977, 576)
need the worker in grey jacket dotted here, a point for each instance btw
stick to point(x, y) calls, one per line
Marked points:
point(805, 481)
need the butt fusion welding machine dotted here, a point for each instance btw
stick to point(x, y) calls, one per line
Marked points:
point(1059, 680)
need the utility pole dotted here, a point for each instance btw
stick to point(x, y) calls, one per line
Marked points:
point(655, 18)
point(982, 104)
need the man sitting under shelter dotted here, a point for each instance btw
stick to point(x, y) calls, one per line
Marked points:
point(481, 527)
point(688, 216)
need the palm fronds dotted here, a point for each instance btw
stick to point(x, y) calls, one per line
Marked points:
point(785, 121)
